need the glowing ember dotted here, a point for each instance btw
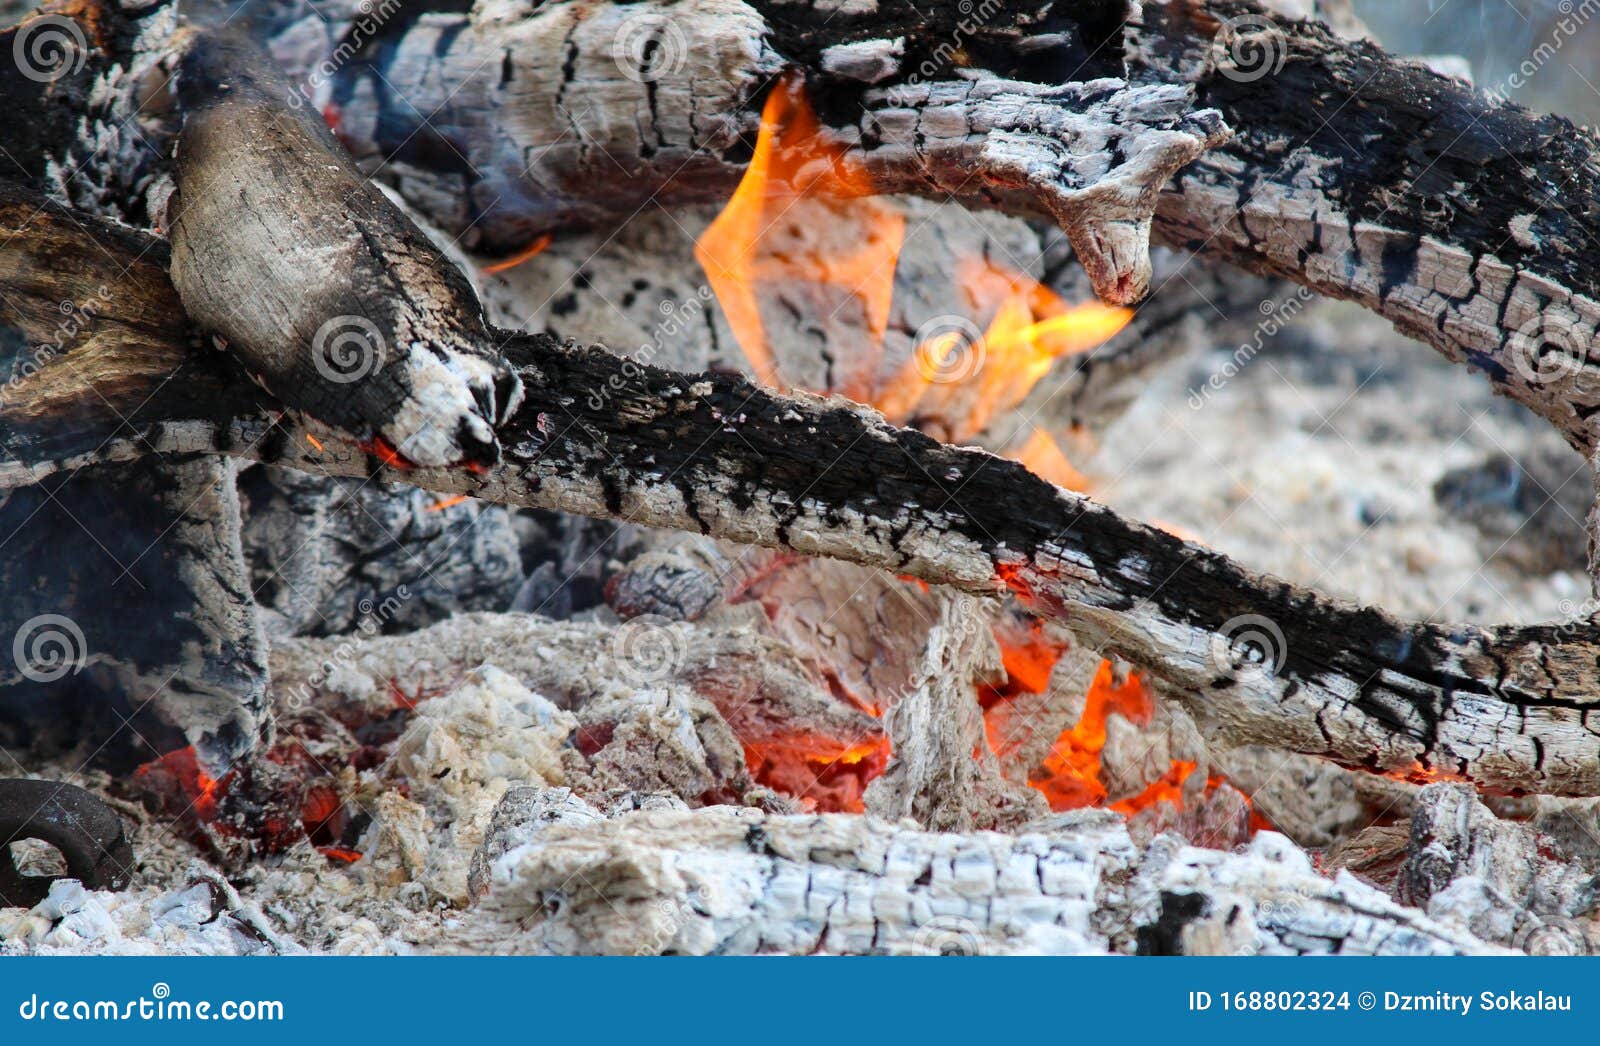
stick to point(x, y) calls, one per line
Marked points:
point(798, 187)
point(440, 506)
point(1168, 788)
point(532, 250)
point(814, 771)
point(1029, 657)
point(385, 452)
point(1069, 776)
point(1042, 456)
point(1418, 773)
point(179, 772)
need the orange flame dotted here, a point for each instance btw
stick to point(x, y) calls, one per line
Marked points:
point(1043, 456)
point(532, 250)
point(800, 183)
point(965, 383)
point(803, 196)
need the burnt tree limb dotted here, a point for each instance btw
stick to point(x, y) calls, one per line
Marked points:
point(1467, 221)
point(544, 145)
point(1505, 708)
point(333, 299)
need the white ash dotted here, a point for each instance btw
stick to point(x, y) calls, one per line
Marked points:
point(723, 880)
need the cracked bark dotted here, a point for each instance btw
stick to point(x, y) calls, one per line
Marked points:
point(558, 876)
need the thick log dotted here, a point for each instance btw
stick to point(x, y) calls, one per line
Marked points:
point(1460, 217)
point(331, 298)
point(158, 541)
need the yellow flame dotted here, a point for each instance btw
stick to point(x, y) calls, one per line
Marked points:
point(799, 182)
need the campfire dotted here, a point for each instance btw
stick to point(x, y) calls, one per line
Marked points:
point(693, 483)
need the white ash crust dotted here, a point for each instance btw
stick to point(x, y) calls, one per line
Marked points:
point(720, 880)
